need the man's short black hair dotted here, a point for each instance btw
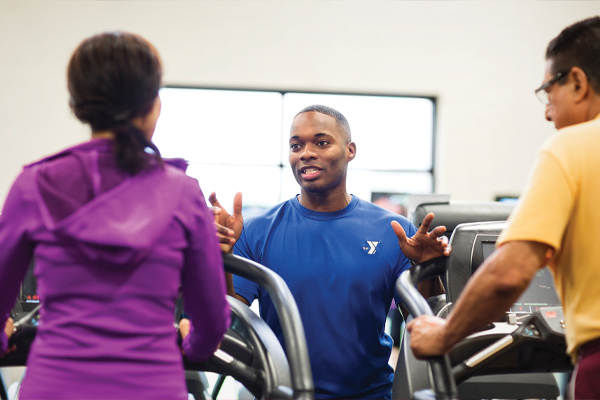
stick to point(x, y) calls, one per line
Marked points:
point(340, 120)
point(578, 45)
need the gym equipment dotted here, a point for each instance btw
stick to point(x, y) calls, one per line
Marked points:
point(249, 352)
point(451, 214)
point(523, 349)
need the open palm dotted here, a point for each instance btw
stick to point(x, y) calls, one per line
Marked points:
point(423, 245)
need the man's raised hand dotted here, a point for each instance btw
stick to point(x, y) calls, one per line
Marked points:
point(423, 245)
point(229, 227)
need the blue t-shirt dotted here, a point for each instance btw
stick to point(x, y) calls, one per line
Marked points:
point(341, 268)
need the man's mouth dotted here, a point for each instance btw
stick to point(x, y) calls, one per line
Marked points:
point(310, 172)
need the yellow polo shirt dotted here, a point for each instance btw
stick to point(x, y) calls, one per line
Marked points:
point(561, 207)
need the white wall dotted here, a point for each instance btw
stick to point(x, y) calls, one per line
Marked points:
point(481, 59)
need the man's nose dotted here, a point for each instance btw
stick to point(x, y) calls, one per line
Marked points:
point(308, 152)
point(547, 113)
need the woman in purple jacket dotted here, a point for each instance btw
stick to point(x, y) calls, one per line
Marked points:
point(115, 232)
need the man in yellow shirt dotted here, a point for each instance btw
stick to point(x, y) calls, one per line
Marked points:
point(554, 222)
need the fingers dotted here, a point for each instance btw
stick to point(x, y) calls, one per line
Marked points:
point(184, 327)
point(427, 336)
point(426, 224)
point(224, 230)
point(400, 233)
point(424, 228)
point(438, 231)
point(443, 240)
point(225, 236)
point(225, 240)
point(212, 198)
point(447, 250)
point(9, 327)
point(218, 209)
point(237, 204)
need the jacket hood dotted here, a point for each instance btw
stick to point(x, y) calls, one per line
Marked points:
point(118, 226)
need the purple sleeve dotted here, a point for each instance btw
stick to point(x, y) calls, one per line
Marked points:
point(3, 342)
point(19, 218)
point(203, 278)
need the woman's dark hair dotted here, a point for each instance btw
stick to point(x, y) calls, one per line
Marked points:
point(113, 78)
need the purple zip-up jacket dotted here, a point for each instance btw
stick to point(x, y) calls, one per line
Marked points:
point(111, 251)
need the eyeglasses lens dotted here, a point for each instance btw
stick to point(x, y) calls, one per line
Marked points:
point(542, 95)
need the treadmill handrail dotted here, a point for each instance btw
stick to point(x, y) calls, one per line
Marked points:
point(444, 384)
point(289, 318)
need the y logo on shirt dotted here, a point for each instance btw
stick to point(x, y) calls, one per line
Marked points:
point(372, 246)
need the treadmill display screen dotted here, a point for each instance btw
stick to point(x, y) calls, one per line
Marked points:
point(488, 248)
point(540, 293)
point(29, 297)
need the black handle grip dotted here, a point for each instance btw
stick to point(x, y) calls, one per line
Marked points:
point(443, 381)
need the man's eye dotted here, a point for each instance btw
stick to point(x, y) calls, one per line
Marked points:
point(322, 143)
point(294, 146)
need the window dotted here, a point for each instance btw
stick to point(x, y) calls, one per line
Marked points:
point(237, 140)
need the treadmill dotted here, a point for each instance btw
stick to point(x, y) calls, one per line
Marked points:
point(453, 213)
point(512, 358)
point(249, 352)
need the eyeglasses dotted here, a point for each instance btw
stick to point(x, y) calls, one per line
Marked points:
point(541, 92)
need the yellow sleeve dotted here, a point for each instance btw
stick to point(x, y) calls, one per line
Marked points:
point(545, 207)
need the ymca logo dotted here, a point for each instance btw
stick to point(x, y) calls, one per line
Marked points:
point(372, 246)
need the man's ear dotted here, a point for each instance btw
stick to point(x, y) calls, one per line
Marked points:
point(351, 147)
point(581, 85)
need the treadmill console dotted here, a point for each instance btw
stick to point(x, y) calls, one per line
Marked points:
point(540, 293)
point(28, 298)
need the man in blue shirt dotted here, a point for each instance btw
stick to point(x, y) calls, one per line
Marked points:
point(337, 257)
